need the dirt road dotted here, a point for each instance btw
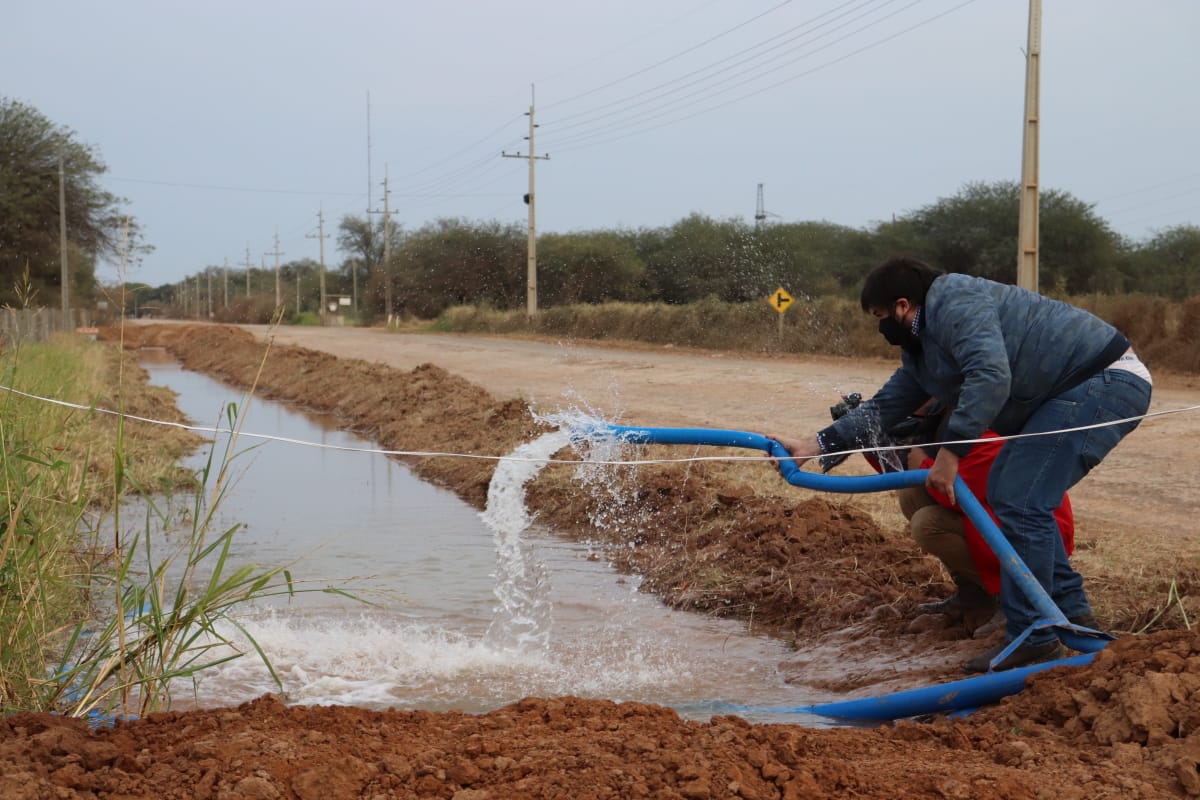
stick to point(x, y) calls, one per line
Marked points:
point(1147, 492)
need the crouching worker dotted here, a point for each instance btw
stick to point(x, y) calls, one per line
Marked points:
point(1012, 361)
point(938, 526)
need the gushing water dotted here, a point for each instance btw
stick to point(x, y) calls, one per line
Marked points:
point(524, 615)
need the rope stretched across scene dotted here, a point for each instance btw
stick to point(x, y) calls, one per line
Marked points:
point(596, 425)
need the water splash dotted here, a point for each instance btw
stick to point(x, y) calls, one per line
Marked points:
point(524, 616)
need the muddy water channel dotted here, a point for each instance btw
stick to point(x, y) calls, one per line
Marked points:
point(433, 572)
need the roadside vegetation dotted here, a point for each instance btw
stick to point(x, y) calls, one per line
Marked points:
point(448, 263)
point(101, 612)
point(1165, 332)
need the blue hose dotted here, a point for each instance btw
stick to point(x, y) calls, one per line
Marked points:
point(965, 694)
point(960, 694)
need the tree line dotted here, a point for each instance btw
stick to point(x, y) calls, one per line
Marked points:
point(452, 262)
point(455, 261)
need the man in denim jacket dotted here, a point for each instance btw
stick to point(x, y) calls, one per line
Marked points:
point(1011, 360)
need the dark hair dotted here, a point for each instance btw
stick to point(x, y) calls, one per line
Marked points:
point(896, 278)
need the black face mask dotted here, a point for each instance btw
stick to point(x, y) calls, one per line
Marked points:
point(895, 333)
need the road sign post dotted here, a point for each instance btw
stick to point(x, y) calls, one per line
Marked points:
point(781, 301)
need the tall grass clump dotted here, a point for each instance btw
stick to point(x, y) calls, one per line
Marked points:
point(95, 618)
point(164, 611)
point(47, 487)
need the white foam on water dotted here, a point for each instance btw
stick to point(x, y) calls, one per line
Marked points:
point(381, 662)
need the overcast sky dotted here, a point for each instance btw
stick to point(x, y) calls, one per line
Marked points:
point(222, 121)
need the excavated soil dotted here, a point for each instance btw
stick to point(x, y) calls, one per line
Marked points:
point(820, 573)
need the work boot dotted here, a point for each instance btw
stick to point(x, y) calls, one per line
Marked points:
point(1087, 620)
point(993, 625)
point(970, 604)
point(981, 615)
point(1025, 654)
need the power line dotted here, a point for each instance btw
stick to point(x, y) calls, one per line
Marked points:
point(714, 65)
point(645, 35)
point(671, 58)
point(1177, 179)
point(222, 188)
point(1157, 200)
point(753, 75)
point(503, 126)
point(580, 142)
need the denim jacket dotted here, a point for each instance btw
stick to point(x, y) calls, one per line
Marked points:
point(989, 351)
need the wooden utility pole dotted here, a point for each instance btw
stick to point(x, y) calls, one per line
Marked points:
point(321, 237)
point(531, 200)
point(225, 282)
point(249, 265)
point(62, 238)
point(276, 251)
point(387, 250)
point(1027, 230)
point(354, 267)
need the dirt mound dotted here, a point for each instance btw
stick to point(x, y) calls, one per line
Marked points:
point(805, 568)
point(1140, 698)
point(537, 748)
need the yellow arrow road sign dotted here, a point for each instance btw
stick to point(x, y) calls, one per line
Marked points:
point(781, 300)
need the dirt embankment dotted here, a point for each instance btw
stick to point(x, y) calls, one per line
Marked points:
point(1126, 727)
point(708, 539)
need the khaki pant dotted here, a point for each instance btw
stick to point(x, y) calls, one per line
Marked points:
point(938, 530)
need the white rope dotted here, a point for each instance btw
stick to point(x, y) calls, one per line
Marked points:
point(635, 462)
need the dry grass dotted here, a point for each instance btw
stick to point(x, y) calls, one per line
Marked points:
point(1163, 331)
point(1138, 584)
point(828, 325)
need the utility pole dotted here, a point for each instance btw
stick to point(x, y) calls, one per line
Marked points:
point(249, 265)
point(387, 250)
point(208, 278)
point(370, 186)
point(197, 297)
point(225, 281)
point(354, 277)
point(278, 294)
point(321, 237)
point(62, 239)
point(1027, 229)
point(531, 271)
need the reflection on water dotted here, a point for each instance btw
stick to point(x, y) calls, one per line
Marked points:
point(364, 522)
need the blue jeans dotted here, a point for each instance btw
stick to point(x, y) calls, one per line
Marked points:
point(1031, 475)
